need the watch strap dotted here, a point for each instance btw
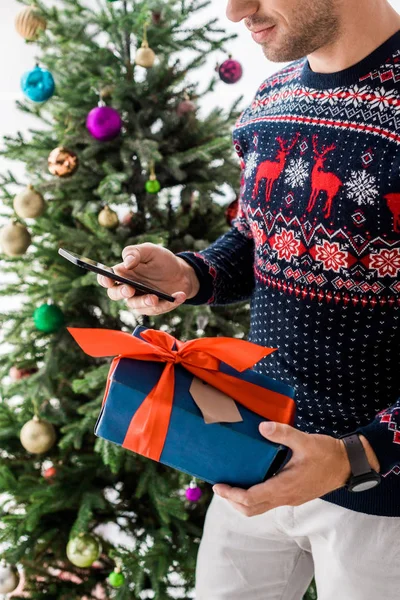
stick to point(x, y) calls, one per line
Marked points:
point(356, 453)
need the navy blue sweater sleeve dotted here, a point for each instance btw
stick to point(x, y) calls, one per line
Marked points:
point(383, 434)
point(226, 268)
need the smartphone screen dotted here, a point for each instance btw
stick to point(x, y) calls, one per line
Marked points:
point(93, 262)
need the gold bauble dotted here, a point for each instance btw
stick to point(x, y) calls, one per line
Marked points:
point(29, 23)
point(200, 245)
point(15, 239)
point(29, 204)
point(107, 91)
point(9, 577)
point(37, 436)
point(145, 56)
point(108, 218)
point(62, 162)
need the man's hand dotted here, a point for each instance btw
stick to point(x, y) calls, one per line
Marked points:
point(319, 465)
point(157, 267)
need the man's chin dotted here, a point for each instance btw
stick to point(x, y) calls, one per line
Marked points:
point(276, 56)
point(272, 55)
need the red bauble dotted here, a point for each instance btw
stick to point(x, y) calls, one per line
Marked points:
point(17, 374)
point(50, 473)
point(156, 17)
point(232, 211)
point(230, 71)
point(128, 219)
point(185, 107)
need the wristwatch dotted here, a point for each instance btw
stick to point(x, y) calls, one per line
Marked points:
point(363, 476)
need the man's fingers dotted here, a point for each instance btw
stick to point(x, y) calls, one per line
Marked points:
point(280, 488)
point(105, 281)
point(120, 269)
point(253, 511)
point(120, 292)
point(141, 253)
point(156, 306)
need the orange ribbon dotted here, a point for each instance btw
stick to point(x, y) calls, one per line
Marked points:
point(148, 428)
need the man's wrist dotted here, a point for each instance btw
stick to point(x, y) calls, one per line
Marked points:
point(346, 472)
point(371, 456)
point(192, 286)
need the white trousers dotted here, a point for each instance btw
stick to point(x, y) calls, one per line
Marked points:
point(274, 556)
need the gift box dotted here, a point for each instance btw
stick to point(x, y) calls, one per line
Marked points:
point(194, 406)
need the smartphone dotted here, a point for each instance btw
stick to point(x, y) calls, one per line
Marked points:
point(92, 265)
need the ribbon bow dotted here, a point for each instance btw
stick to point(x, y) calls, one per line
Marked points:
point(148, 428)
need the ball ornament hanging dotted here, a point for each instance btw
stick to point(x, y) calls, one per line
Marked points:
point(50, 473)
point(37, 436)
point(116, 579)
point(156, 17)
point(48, 318)
point(145, 56)
point(200, 245)
point(186, 106)
point(230, 71)
point(128, 220)
point(9, 577)
point(83, 550)
point(193, 492)
point(29, 23)
point(104, 123)
point(15, 239)
point(16, 373)
point(29, 204)
point(62, 162)
point(108, 218)
point(152, 186)
point(38, 84)
point(188, 240)
point(231, 211)
point(107, 91)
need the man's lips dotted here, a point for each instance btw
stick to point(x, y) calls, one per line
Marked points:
point(260, 35)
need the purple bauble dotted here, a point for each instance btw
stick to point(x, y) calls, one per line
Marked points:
point(230, 71)
point(104, 123)
point(193, 494)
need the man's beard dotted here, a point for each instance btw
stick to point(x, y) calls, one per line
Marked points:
point(317, 25)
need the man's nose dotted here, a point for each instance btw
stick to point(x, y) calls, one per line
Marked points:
point(237, 10)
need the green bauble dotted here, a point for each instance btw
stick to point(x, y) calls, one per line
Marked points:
point(153, 186)
point(83, 550)
point(48, 318)
point(116, 579)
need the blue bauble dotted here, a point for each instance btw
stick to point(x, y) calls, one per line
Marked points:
point(38, 85)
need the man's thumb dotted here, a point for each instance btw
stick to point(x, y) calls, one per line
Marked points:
point(281, 434)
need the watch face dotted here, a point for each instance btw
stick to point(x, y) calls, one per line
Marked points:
point(365, 485)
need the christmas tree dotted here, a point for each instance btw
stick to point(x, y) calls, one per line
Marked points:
point(121, 156)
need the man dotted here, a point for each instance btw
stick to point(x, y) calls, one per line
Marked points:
point(316, 247)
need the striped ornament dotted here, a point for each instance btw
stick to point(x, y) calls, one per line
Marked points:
point(29, 23)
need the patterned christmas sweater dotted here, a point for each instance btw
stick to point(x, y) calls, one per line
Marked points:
point(315, 247)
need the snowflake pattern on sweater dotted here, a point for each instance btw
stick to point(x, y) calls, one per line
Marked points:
point(315, 246)
point(320, 200)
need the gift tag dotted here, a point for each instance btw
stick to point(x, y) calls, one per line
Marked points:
point(215, 406)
